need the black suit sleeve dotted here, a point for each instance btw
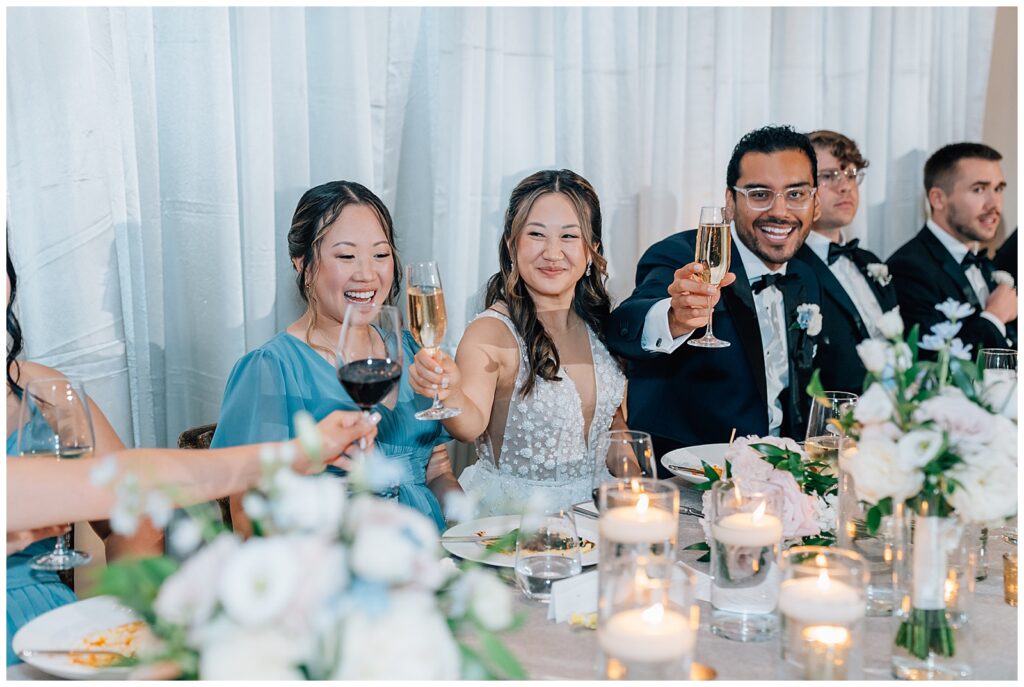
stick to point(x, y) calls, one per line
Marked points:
point(654, 274)
point(918, 292)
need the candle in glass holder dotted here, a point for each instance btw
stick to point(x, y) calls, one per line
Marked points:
point(748, 529)
point(652, 635)
point(825, 652)
point(637, 523)
point(820, 600)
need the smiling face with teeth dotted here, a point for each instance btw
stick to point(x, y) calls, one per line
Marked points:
point(355, 264)
point(775, 234)
point(970, 210)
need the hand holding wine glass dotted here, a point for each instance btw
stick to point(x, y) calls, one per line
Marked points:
point(428, 320)
point(713, 252)
point(54, 422)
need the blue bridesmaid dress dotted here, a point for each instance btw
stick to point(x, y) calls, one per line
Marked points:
point(268, 385)
point(30, 593)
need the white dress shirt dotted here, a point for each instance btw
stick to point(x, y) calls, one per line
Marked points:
point(852, 280)
point(975, 278)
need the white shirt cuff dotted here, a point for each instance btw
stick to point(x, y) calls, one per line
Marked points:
point(657, 336)
point(984, 313)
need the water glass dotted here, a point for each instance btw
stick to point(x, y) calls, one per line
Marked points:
point(624, 453)
point(746, 533)
point(547, 550)
point(822, 442)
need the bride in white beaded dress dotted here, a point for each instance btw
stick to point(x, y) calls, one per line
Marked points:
point(532, 376)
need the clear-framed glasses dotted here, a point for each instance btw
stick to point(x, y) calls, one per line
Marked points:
point(835, 177)
point(760, 198)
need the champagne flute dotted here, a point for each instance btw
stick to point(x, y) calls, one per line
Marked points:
point(54, 422)
point(427, 322)
point(822, 438)
point(714, 249)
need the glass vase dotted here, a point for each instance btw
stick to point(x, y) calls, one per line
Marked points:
point(934, 585)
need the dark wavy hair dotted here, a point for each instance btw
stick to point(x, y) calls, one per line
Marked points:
point(317, 210)
point(770, 139)
point(15, 342)
point(590, 299)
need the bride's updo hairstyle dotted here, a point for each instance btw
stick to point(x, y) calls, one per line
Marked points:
point(590, 300)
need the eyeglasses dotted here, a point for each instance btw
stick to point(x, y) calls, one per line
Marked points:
point(834, 177)
point(760, 198)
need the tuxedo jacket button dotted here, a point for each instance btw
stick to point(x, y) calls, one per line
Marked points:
point(624, 331)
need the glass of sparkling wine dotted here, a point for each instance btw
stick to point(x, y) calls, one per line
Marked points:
point(547, 550)
point(428, 320)
point(54, 422)
point(823, 431)
point(714, 248)
point(746, 535)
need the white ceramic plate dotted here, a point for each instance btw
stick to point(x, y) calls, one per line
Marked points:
point(503, 524)
point(65, 627)
point(690, 457)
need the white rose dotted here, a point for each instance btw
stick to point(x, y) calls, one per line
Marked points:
point(879, 271)
point(967, 423)
point(409, 641)
point(189, 596)
point(877, 473)
point(918, 448)
point(490, 600)
point(324, 578)
point(999, 391)
point(308, 504)
point(891, 324)
point(874, 406)
point(826, 512)
point(393, 543)
point(259, 580)
point(231, 652)
point(872, 353)
point(1004, 438)
point(986, 493)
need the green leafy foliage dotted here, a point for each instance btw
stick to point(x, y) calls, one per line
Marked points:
point(136, 582)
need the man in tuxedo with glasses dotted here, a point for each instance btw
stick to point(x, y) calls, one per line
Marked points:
point(965, 186)
point(856, 288)
point(767, 308)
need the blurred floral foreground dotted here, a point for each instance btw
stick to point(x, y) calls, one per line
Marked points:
point(335, 583)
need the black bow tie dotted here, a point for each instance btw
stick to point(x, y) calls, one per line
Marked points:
point(772, 279)
point(836, 251)
point(979, 259)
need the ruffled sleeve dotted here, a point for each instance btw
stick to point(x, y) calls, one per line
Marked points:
point(257, 405)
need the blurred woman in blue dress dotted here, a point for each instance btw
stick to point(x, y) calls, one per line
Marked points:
point(341, 244)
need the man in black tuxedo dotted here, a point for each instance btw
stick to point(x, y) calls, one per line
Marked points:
point(855, 285)
point(965, 186)
point(685, 395)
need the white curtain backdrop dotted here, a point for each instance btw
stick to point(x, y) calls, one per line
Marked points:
point(155, 155)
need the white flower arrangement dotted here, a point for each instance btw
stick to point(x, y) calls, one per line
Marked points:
point(334, 585)
point(808, 318)
point(879, 271)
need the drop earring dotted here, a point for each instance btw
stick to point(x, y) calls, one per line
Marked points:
point(587, 273)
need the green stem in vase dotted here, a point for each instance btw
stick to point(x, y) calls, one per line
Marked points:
point(926, 632)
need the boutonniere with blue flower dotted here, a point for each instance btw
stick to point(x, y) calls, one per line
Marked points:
point(808, 318)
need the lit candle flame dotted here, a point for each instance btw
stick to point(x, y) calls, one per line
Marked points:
point(759, 512)
point(823, 581)
point(642, 503)
point(821, 561)
point(634, 485)
point(654, 614)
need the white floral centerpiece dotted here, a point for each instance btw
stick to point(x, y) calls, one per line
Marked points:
point(336, 584)
point(809, 488)
point(932, 436)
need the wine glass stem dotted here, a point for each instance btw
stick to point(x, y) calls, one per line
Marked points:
point(710, 333)
point(437, 401)
point(60, 547)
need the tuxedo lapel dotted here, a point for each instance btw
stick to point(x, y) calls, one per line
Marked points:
point(739, 302)
point(885, 295)
point(800, 353)
point(949, 266)
point(833, 287)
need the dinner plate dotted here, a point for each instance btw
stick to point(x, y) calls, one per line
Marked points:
point(64, 628)
point(503, 524)
point(690, 457)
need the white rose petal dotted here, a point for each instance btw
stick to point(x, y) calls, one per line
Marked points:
point(985, 493)
point(891, 324)
point(874, 406)
point(879, 271)
point(258, 581)
point(230, 652)
point(491, 600)
point(999, 391)
point(872, 353)
point(877, 473)
point(918, 448)
point(189, 596)
point(184, 537)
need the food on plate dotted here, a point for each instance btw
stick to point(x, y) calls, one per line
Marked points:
point(125, 639)
point(506, 543)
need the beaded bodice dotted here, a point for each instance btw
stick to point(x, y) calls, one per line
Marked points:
point(544, 439)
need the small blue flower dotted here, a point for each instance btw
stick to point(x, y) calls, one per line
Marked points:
point(954, 310)
point(958, 350)
point(946, 330)
point(931, 342)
